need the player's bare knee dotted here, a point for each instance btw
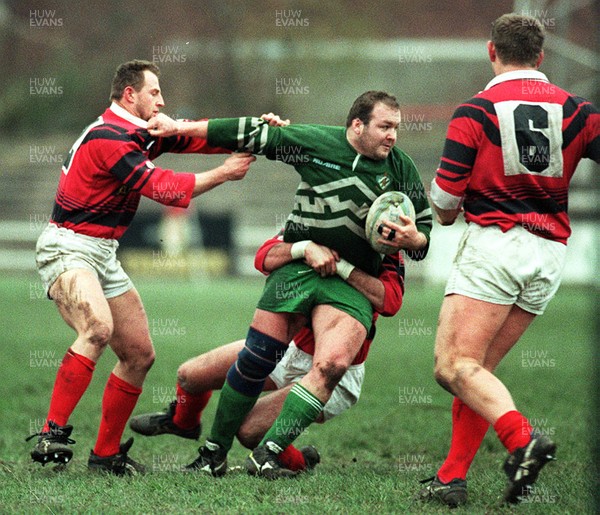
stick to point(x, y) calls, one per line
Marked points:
point(464, 371)
point(184, 373)
point(331, 372)
point(146, 359)
point(443, 373)
point(453, 375)
point(138, 359)
point(442, 381)
point(98, 332)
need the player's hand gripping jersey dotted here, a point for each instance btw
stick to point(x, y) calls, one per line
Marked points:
point(511, 151)
point(338, 184)
point(110, 167)
point(391, 276)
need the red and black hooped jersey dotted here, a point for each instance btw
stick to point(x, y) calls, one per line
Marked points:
point(511, 151)
point(110, 167)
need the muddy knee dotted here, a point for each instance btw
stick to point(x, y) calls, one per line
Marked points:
point(451, 375)
point(331, 372)
point(98, 332)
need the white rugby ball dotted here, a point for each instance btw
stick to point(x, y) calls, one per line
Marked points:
point(387, 207)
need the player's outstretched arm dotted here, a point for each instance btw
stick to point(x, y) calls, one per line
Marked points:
point(234, 168)
point(274, 120)
point(163, 126)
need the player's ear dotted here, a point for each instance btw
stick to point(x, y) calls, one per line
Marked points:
point(540, 59)
point(128, 93)
point(491, 48)
point(357, 126)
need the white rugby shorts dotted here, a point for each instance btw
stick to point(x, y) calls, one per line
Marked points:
point(512, 267)
point(295, 365)
point(59, 249)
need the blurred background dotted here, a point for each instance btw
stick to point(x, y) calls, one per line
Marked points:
point(306, 60)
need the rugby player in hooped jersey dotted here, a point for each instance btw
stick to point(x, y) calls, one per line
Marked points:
point(343, 170)
point(509, 155)
point(106, 172)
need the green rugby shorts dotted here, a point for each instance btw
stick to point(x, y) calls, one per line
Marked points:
point(297, 288)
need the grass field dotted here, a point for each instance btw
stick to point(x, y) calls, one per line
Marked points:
point(372, 456)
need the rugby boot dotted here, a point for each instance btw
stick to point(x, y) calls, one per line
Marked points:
point(161, 423)
point(52, 445)
point(212, 459)
point(524, 464)
point(452, 494)
point(119, 464)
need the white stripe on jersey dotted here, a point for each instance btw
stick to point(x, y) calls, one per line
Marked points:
point(261, 130)
point(341, 183)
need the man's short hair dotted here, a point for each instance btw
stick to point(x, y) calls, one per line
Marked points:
point(364, 104)
point(131, 74)
point(518, 39)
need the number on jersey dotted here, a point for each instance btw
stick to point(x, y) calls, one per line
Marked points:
point(67, 164)
point(531, 135)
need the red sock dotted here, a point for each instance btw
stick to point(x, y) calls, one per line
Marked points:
point(468, 430)
point(118, 402)
point(72, 379)
point(291, 458)
point(514, 430)
point(189, 408)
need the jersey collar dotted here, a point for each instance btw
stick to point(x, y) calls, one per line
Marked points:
point(126, 115)
point(517, 74)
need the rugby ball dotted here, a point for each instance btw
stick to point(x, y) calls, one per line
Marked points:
point(388, 206)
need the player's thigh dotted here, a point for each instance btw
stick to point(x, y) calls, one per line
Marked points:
point(516, 323)
point(278, 325)
point(80, 301)
point(336, 293)
point(208, 371)
point(466, 328)
point(131, 335)
point(338, 336)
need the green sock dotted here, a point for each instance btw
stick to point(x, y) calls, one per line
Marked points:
point(300, 410)
point(231, 412)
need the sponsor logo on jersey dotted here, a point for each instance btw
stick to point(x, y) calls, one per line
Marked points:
point(383, 181)
point(319, 162)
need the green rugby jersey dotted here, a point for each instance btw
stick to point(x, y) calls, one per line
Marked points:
point(338, 185)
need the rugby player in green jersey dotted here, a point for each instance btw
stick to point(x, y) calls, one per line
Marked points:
point(343, 170)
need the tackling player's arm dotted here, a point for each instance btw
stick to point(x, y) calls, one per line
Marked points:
point(234, 168)
point(275, 253)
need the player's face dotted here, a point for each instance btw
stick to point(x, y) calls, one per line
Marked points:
point(148, 101)
point(377, 138)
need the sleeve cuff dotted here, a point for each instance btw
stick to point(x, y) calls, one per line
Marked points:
point(443, 199)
